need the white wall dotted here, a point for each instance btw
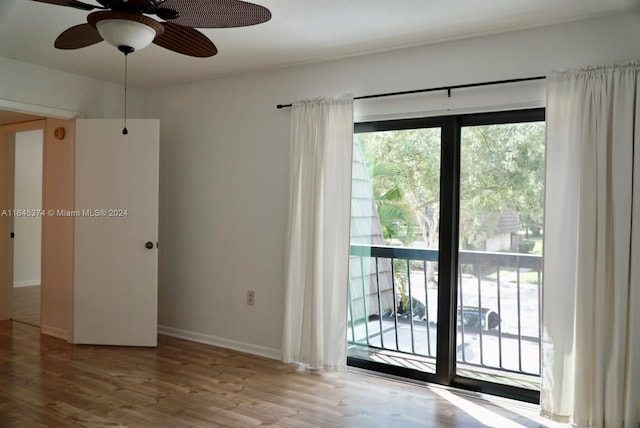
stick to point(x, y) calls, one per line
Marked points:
point(224, 159)
point(34, 89)
point(27, 196)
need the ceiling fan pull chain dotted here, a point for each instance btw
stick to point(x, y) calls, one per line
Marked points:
point(124, 130)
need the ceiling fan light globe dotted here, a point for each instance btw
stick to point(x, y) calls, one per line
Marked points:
point(122, 32)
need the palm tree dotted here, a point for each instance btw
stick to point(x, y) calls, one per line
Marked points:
point(397, 216)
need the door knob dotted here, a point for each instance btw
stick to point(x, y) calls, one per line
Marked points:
point(148, 245)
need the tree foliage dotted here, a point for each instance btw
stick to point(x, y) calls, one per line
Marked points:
point(502, 169)
point(397, 216)
point(414, 156)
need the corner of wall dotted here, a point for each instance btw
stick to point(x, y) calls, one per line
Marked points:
point(57, 231)
point(54, 331)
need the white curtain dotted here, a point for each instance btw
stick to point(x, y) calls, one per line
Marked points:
point(317, 270)
point(591, 296)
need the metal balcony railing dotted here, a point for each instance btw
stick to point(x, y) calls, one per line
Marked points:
point(393, 306)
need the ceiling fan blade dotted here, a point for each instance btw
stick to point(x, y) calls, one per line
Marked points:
point(70, 3)
point(216, 13)
point(145, 6)
point(185, 40)
point(78, 36)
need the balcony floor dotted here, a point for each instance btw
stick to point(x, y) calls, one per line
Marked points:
point(398, 351)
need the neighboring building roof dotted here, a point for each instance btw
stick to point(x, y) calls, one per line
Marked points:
point(494, 223)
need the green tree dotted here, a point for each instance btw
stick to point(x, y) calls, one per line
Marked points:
point(502, 169)
point(415, 157)
point(396, 214)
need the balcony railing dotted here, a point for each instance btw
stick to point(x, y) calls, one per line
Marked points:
point(393, 307)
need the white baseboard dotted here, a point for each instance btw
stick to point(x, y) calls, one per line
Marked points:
point(54, 331)
point(249, 348)
point(26, 283)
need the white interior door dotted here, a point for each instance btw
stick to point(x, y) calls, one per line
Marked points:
point(116, 198)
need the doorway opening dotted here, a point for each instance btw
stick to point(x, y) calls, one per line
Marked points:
point(27, 226)
point(55, 256)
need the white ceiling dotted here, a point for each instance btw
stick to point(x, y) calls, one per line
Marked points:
point(300, 31)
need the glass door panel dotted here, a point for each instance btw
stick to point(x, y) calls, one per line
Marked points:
point(500, 253)
point(393, 292)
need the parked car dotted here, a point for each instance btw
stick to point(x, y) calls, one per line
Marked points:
point(489, 318)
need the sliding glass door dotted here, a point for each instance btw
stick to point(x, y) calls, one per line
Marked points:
point(500, 250)
point(394, 235)
point(446, 250)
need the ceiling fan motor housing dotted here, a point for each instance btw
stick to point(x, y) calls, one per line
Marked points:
point(127, 32)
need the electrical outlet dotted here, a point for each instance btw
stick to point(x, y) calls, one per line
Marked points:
point(251, 297)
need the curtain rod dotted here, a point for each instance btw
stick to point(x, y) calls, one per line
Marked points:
point(440, 88)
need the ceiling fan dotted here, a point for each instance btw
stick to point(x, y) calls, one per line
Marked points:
point(125, 24)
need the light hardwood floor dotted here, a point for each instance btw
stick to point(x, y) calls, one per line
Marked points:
point(26, 304)
point(45, 381)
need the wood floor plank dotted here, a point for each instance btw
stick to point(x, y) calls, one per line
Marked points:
point(26, 304)
point(47, 382)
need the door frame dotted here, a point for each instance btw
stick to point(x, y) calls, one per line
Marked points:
point(56, 257)
point(61, 295)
